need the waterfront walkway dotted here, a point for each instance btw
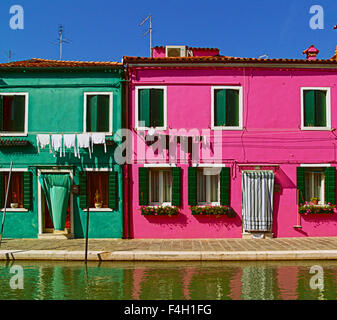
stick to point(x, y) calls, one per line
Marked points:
point(174, 250)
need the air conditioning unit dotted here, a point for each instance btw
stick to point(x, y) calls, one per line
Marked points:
point(176, 51)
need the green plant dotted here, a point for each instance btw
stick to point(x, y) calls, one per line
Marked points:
point(159, 210)
point(309, 208)
point(213, 210)
point(314, 199)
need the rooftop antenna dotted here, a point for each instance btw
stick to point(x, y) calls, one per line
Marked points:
point(61, 40)
point(265, 56)
point(9, 55)
point(149, 17)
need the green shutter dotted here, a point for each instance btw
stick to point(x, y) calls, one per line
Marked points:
point(19, 114)
point(225, 187)
point(1, 113)
point(92, 113)
point(103, 115)
point(27, 190)
point(144, 107)
point(156, 107)
point(320, 108)
point(220, 107)
point(309, 108)
point(192, 186)
point(113, 190)
point(176, 186)
point(300, 183)
point(232, 107)
point(83, 190)
point(330, 185)
point(2, 190)
point(143, 185)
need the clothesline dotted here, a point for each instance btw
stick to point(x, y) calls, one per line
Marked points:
point(61, 142)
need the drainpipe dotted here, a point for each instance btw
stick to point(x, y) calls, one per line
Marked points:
point(127, 168)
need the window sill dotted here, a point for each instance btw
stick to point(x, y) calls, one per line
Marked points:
point(148, 128)
point(14, 134)
point(98, 210)
point(14, 210)
point(226, 128)
point(315, 128)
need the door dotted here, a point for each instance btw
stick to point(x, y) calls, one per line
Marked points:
point(257, 200)
point(56, 193)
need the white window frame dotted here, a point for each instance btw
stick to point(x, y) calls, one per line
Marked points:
point(208, 190)
point(14, 209)
point(213, 126)
point(322, 195)
point(99, 93)
point(137, 88)
point(161, 187)
point(25, 132)
point(98, 170)
point(328, 108)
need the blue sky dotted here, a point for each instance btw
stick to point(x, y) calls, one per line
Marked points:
point(107, 29)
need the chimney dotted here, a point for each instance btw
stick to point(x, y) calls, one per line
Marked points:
point(311, 52)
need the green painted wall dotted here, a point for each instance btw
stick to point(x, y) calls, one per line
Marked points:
point(55, 105)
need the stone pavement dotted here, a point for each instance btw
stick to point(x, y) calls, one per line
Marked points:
point(171, 249)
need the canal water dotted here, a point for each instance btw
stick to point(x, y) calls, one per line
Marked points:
point(166, 281)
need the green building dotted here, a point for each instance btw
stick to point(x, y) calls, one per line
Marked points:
point(57, 126)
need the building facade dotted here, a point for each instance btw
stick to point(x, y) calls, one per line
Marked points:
point(226, 147)
point(57, 126)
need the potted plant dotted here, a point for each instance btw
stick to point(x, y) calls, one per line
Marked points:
point(314, 200)
point(98, 200)
point(15, 202)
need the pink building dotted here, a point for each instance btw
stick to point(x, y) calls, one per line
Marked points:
point(227, 147)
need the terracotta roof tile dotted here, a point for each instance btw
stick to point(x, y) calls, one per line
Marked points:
point(44, 63)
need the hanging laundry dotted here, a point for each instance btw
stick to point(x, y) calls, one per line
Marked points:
point(83, 141)
point(98, 138)
point(56, 141)
point(69, 142)
point(42, 141)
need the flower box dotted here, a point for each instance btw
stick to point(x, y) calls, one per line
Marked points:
point(159, 210)
point(310, 208)
point(210, 210)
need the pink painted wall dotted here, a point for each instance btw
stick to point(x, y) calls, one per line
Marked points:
point(272, 118)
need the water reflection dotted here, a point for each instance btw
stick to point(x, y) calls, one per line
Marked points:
point(165, 281)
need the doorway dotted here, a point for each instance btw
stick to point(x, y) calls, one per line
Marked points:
point(52, 198)
point(257, 203)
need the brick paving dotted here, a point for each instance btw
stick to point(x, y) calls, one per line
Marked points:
point(181, 245)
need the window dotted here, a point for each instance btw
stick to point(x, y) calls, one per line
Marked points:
point(208, 186)
point(98, 112)
point(316, 108)
point(160, 186)
point(98, 187)
point(314, 179)
point(15, 192)
point(151, 107)
point(13, 113)
point(175, 51)
point(227, 108)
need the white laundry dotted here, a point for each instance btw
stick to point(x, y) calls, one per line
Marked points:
point(98, 138)
point(42, 141)
point(56, 141)
point(83, 141)
point(69, 142)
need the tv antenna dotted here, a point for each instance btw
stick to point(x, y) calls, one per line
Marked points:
point(149, 17)
point(264, 56)
point(9, 55)
point(60, 41)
